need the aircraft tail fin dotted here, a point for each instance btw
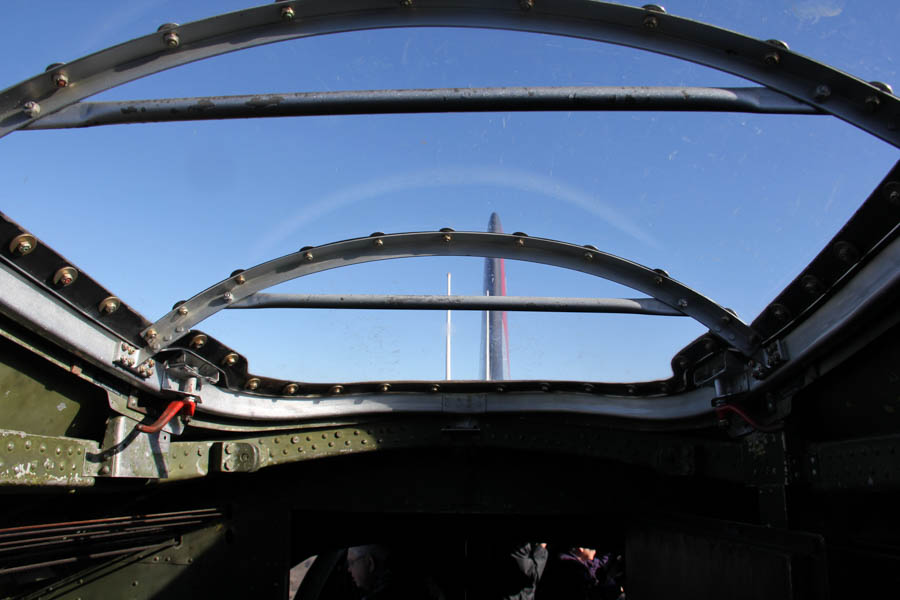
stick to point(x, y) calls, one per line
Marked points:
point(494, 329)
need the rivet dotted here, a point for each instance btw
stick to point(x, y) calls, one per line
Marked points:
point(384, 387)
point(308, 256)
point(198, 341)
point(435, 388)
point(65, 276)
point(681, 361)
point(285, 451)
point(230, 359)
point(23, 244)
point(884, 87)
point(105, 470)
point(654, 8)
point(32, 109)
point(295, 439)
point(69, 450)
point(631, 390)
point(447, 238)
point(28, 445)
point(228, 297)
point(172, 40)
point(545, 387)
point(379, 243)
point(58, 450)
point(891, 192)
point(52, 66)
point(347, 443)
point(651, 22)
point(290, 389)
point(846, 252)
point(183, 311)
point(60, 80)
point(150, 334)
point(406, 2)
point(588, 256)
point(287, 13)
point(364, 442)
point(811, 285)
point(337, 434)
point(229, 448)
point(110, 305)
point(313, 447)
point(772, 58)
point(179, 329)
point(682, 303)
point(588, 388)
point(277, 440)
point(336, 389)
point(331, 444)
point(526, 4)
point(199, 451)
point(10, 447)
point(520, 242)
point(252, 383)
point(822, 92)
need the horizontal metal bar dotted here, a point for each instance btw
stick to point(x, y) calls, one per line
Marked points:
point(565, 98)
point(167, 330)
point(767, 63)
point(637, 306)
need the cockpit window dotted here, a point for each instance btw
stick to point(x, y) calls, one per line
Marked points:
point(733, 205)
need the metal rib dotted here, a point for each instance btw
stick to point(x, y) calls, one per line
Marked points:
point(174, 325)
point(635, 306)
point(750, 100)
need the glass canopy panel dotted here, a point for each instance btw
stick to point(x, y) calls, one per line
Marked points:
point(732, 205)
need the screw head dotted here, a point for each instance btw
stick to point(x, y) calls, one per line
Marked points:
point(65, 276)
point(252, 383)
point(22, 244)
point(198, 341)
point(230, 359)
point(110, 305)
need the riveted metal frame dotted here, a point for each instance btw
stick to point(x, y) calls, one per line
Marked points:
point(179, 321)
point(564, 98)
point(27, 459)
point(771, 64)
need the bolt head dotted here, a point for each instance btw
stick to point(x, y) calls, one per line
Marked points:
point(308, 256)
point(588, 256)
point(228, 297)
point(290, 389)
point(651, 22)
point(772, 58)
point(65, 276)
point(199, 341)
point(172, 40)
point(520, 242)
point(379, 243)
point(287, 13)
point(822, 92)
point(110, 305)
point(23, 244)
point(252, 383)
point(150, 334)
point(60, 80)
point(447, 238)
point(230, 359)
point(183, 311)
point(526, 4)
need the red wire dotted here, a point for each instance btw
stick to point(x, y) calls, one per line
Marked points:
point(721, 410)
point(173, 409)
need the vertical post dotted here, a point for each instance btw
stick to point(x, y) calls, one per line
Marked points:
point(487, 341)
point(448, 330)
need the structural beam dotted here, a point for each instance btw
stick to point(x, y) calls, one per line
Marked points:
point(504, 99)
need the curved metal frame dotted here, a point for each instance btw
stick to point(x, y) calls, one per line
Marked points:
point(178, 322)
point(769, 63)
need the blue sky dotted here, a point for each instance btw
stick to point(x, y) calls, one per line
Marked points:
point(733, 205)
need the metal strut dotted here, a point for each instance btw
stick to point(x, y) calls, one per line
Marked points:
point(505, 99)
point(656, 283)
